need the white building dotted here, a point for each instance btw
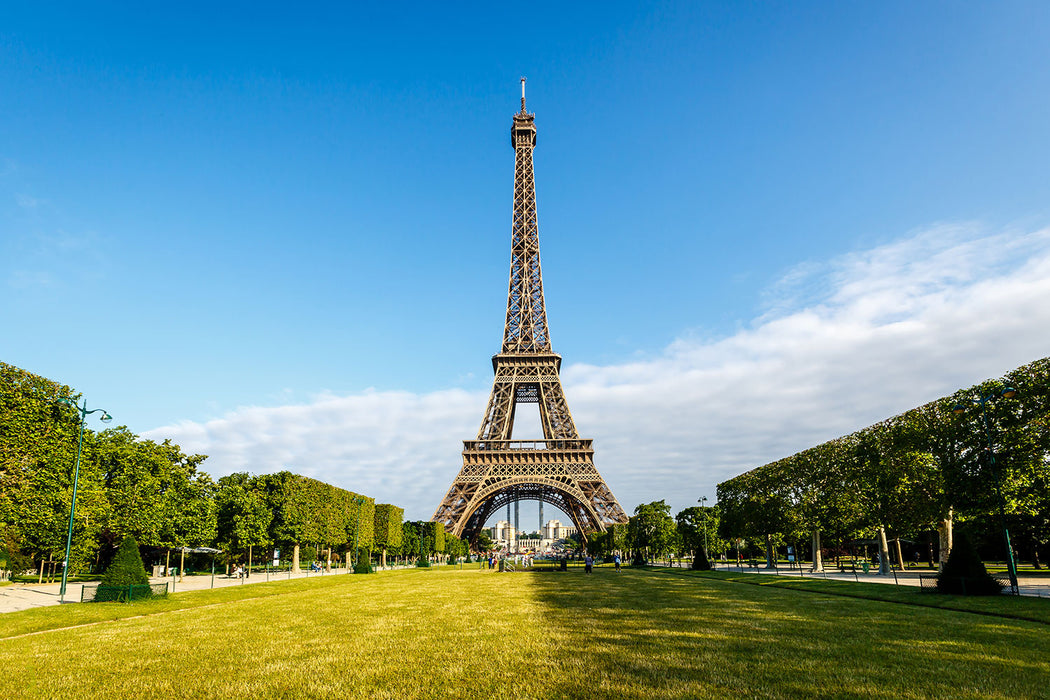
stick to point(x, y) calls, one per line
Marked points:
point(554, 530)
point(504, 536)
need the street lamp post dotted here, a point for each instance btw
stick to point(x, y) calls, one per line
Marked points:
point(84, 413)
point(702, 501)
point(359, 501)
point(1007, 393)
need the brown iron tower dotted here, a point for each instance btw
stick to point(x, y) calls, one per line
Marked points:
point(558, 469)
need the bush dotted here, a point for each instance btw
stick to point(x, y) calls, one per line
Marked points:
point(364, 562)
point(964, 572)
point(700, 561)
point(127, 568)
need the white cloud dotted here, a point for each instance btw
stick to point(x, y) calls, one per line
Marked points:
point(27, 202)
point(876, 333)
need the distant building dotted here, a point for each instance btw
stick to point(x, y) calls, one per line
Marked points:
point(505, 536)
point(554, 530)
point(532, 545)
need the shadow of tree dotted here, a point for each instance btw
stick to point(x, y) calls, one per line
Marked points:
point(648, 634)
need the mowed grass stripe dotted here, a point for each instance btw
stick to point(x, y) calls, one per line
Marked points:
point(669, 637)
point(51, 618)
point(381, 637)
point(467, 634)
point(1007, 606)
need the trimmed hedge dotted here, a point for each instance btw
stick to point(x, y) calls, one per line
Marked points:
point(388, 526)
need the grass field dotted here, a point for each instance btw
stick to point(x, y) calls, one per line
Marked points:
point(480, 634)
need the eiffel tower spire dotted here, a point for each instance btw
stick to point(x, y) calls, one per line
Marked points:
point(526, 327)
point(559, 468)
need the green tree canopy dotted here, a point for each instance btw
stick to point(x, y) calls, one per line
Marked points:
point(652, 528)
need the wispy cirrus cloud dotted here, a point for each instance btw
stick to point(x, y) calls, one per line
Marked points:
point(43, 260)
point(844, 343)
point(27, 202)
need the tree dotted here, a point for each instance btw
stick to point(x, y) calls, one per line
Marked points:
point(38, 445)
point(652, 529)
point(410, 540)
point(599, 543)
point(484, 541)
point(388, 528)
point(242, 517)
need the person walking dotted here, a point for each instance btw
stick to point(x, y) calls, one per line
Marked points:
point(616, 560)
point(588, 562)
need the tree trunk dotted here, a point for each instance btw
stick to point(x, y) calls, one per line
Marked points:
point(900, 558)
point(884, 553)
point(295, 557)
point(945, 531)
point(248, 571)
point(769, 552)
point(182, 562)
point(929, 542)
point(818, 561)
point(1035, 557)
point(167, 563)
point(384, 558)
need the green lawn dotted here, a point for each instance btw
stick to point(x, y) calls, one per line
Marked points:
point(481, 634)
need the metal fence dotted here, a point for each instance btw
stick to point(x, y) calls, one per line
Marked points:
point(100, 593)
point(928, 584)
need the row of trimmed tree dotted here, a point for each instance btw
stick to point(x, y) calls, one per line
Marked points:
point(157, 494)
point(976, 457)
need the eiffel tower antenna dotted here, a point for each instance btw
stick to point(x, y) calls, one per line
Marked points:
point(559, 468)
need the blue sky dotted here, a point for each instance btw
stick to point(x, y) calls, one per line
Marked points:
point(280, 235)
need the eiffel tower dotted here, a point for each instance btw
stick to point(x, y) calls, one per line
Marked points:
point(497, 470)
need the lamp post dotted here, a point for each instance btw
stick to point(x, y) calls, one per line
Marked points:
point(359, 501)
point(702, 501)
point(84, 413)
point(983, 401)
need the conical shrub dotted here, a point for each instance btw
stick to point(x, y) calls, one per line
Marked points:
point(700, 561)
point(964, 572)
point(364, 562)
point(127, 568)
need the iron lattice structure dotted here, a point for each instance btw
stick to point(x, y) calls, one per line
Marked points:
point(497, 470)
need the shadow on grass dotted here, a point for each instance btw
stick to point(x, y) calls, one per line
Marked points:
point(647, 635)
point(1007, 606)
